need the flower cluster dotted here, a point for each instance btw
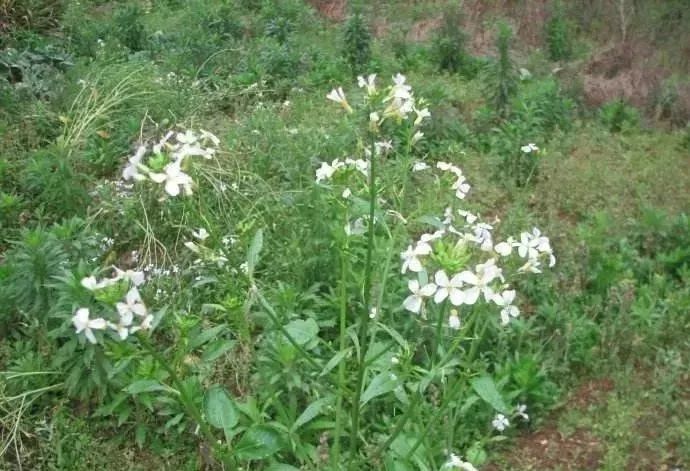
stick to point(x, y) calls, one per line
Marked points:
point(500, 422)
point(129, 308)
point(165, 160)
point(466, 265)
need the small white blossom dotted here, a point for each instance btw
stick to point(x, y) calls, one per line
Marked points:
point(369, 83)
point(174, 178)
point(419, 166)
point(505, 300)
point(529, 148)
point(500, 422)
point(454, 320)
point(337, 95)
point(413, 303)
point(456, 462)
point(201, 234)
point(448, 288)
point(522, 411)
point(410, 257)
point(82, 323)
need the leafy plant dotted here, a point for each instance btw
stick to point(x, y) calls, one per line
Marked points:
point(558, 32)
point(357, 43)
point(501, 80)
point(618, 116)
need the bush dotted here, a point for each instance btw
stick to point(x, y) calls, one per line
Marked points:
point(501, 78)
point(357, 43)
point(618, 116)
point(449, 45)
point(558, 34)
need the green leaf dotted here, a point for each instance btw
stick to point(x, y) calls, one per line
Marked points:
point(381, 384)
point(486, 389)
point(254, 251)
point(333, 362)
point(205, 336)
point(216, 349)
point(220, 409)
point(303, 331)
point(257, 443)
point(311, 412)
point(146, 385)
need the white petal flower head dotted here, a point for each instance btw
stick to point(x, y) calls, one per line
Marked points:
point(470, 218)
point(500, 422)
point(208, 136)
point(337, 95)
point(479, 281)
point(436, 235)
point(522, 411)
point(132, 306)
point(421, 115)
point(173, 178)
point(461, 187)
point(369, 83)
point(419, 166)
point(454, 320)
point(90, 283)
point(346, 193)
point(82, 323)
point(157, 148)
point(418, 136)
point(448, 288)
point(410, 257)
point(188, 137)
point(136, 277)
point(505, 300)
point(131, 171)
point(529, 148)
point(413, 303)
point(201, 234)
point(532, 266)
point(457, 463)
point(504, 249)
point(356, 227)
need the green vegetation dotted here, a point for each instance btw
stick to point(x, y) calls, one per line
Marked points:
point(220, 250)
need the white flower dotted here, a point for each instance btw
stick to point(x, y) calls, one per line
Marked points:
point(504, 248)
point(417, 137)
point(454, 320)
point(469, 217)
point(419, 166)
point(157, 148)
point(136, 277)
point(133, 305)
point(528, 245)
point(374, 117)
point(395, 360)
point(368, 83)
point(456, 462)
point(521, 411)
point(421, 114)
point(337, 95)
point(529, 148)
point(188, 137)
point(484, 274)
point(505, 300)
point(433, 236)
point(347, 193)
point(448, 288)
point(174, 178)
point(482, 236)
point(532, 266)
point(202, 234)
point(500, 422)
point(131, 171)
point(146, 324)
point(192, 246)
point(244, 268)
point(90, 283)
point(400, 90)
point(373, 312)
point(205, 135)
point(121, 329)
point(326, 171)
point(410, 257)
point(356, 227)
point(82, 322)
point(382, 147)
point(461, 187)
point(413, 303)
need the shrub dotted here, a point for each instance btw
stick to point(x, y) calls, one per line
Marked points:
point(357, 43)
point(558, 33)
point(501, 78)
point(618, 116)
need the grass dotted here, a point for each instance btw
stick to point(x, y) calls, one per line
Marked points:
point(274, 309)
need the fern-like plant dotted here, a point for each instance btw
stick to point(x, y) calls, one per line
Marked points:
point(501, 76)
point(357, 43)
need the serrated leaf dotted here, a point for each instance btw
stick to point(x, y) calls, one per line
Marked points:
point(220, 409)
point(257, 443)
point(485, 387)
point(382, 383)
point(303, 331)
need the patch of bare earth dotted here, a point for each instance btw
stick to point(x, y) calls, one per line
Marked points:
point(549, 449)
point(335, 10)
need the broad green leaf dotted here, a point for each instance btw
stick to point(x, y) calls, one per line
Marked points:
point(205, 335)
point(311, 412)
point(254, 251)
point(257, 443)
point(333, 362)
point(220, 409)
point(486, 389)
point(303, 331)
point(381, 384)
point(215, 349)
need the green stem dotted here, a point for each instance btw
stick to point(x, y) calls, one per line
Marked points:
point(437, 335)
point(364, 318)
point(335, 455)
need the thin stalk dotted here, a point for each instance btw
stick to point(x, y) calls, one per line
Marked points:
point(335, 455)
point(364, 318)
point(437, 335)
